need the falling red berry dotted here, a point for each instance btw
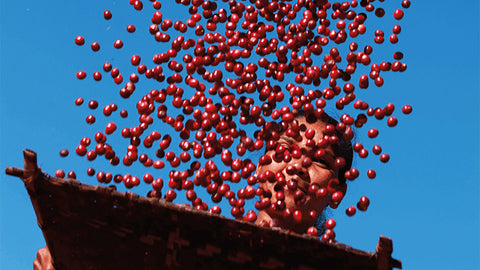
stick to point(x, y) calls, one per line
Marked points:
point(81, 75)
point(95, 46)
point(351, 210)
point(79, 40)
point(118, 44)
point(60, 173)
point(63, 152)
point(398, 14)
point(79, 101)
point(107, 14)
point(407, 109)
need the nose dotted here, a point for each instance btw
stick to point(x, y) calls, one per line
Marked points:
point(296, 170)
point(302, 172)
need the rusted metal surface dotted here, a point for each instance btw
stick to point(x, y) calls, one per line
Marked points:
point(96, 227)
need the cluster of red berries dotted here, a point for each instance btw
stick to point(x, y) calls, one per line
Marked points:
point(206, 71)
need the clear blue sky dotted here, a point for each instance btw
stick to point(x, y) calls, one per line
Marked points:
point(426, 198)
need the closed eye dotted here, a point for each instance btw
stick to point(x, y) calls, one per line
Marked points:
point(320, 160)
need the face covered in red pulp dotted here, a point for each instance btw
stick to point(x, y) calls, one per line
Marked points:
point(305, 169)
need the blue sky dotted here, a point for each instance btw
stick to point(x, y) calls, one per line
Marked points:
point(426, 198)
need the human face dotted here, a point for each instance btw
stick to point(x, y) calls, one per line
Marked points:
point(298, 170)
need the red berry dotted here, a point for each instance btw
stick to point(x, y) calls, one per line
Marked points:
point(79, 101)
point(95, 46)
point(97, 76)
point(312, 231)
point(398, 55)
point(363, 203)
point(170, 195)
point(379, 81)
point(107, 67)
point(130, 28)
point(90, 119)
point(396, 29)
point(379, 12)
point(81, 75)
point(118, 44)
point(81, 150)
point(398, 14)
point(91, 155)
point(107, 14)
point(407, 109)
point(124, 113)
point(351, 210)
point(138, 5)
point(371, 174)
point(135, 60)
point(363, 153)
point(377, 149)
point(79, 40)
point(63, 152)
point(384, 158)
point(110, 128)
point(372, 133)
point(297, 216)
point(90, 171)
point(330, 224)
point(392, 121)
point(60, 173)
point(71, 174)
point(393, 38)
point(93, 104)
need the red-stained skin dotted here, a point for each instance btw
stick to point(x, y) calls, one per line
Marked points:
point(320, 172)
point(43, 260)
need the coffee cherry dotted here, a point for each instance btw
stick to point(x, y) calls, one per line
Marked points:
point(63, 152)
point(90, 119)
point(377, 149)
point(79, 40)
point(72, 175)
point(363, 203)
point(81, 75)
point(351, 210)
point(384, 158)
point(110, 128)
point(90, 171)
point(372, 133)
point(330, 224)
point(118, 44)
point(130, 28)
point(97, 76)
point(107, 14)
point(297, 216)
point(371, 174)
point(392, 121)
point(95, 46)
point(312, 231)
point(60, 173)
point(79, 101)
point(398, 14)
point(407, 109)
